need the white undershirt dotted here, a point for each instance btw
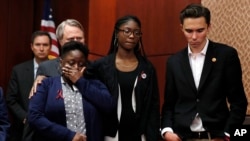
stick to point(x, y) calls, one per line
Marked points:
point(35, 67)
point(196, 62)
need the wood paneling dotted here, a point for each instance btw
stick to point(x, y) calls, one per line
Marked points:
point(102, 15)
point(16, 28)
point(160, 26)
point(3, 30)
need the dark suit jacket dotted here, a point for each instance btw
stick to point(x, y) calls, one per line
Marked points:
point(49, 68)
point(221, 80)
point(4, 119)
point(17, 97)
point(47, 113)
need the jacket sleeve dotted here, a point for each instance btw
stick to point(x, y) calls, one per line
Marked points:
point(13, 96)
point(96, 93)
point(38, 117)
point(4, 120)
point(153, 124)
point(170, 97)
point(236, 95)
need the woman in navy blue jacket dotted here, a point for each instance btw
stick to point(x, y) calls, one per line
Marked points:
point(67, 107)
point(4, 120)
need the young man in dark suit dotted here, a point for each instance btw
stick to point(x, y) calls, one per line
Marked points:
point(21, 81)
point(201, 80)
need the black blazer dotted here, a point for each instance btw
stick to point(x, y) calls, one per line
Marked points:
point(221, 80)
point(146, 93)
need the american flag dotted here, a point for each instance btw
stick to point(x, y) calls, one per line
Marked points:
point(47, 24)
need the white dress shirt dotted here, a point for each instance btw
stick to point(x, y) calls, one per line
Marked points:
point(35, 67)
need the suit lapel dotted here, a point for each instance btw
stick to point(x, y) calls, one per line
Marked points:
point(29, 72)
point(58, 99)
point(208, 63)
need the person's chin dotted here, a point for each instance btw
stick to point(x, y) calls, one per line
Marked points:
point(194, 45)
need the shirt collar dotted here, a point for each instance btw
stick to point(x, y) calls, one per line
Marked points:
point(67, 85)
point(35, 64)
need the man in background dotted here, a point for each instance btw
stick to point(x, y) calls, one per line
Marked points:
point(20, 83)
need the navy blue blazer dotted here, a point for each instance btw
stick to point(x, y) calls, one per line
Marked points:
point(47, 112)
point(4, 120)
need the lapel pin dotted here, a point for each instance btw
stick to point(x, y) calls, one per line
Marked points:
point(143, 75)
point(213, 59)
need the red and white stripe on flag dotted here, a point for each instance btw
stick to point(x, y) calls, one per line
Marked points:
point(47, 24)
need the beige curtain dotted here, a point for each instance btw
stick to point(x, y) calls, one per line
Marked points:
point(230, 20)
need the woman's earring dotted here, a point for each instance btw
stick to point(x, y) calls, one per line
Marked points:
point(115, 40)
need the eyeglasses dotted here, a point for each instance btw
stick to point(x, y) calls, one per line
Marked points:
point(127, 32)
point(75, 39)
